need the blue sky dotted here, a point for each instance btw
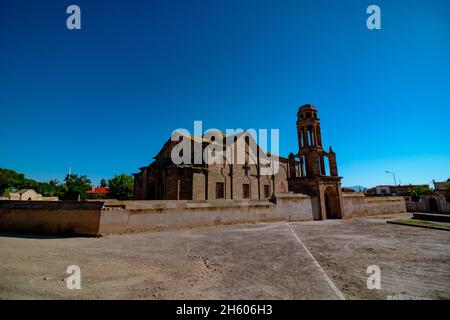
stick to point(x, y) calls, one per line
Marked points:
point(105, 98)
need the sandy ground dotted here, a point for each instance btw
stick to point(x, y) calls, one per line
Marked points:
point(414, 262)
point(308, 260)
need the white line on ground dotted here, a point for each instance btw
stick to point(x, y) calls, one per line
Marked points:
point(327, 278)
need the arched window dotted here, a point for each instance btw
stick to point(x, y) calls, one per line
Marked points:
point(301, 138)
point(320, 164)
point(304, 137)
point(326, 166)
point(303, 166)
point(246, 191)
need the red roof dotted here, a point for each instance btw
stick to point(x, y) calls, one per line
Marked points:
point(99, 190)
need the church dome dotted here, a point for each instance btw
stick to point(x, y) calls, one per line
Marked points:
point(307, 107)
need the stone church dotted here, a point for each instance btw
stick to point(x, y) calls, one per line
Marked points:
point(311, 171)
point(164, 180)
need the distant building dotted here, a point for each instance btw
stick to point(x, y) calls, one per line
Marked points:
point(442, 186)
point(434, 201)
point(27, 195)
point(101, 191)
point(389, 190)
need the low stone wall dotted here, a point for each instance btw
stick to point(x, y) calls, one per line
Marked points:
point(419, 206)
point(444, 206)
point(50, 199)
point(138, 216)
point(51, 217)
point(423, 205)
point(356, 204)
point(94, 218)
point(295, 207)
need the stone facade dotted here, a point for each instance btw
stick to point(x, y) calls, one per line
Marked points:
point(311, 171)
point(164, 180)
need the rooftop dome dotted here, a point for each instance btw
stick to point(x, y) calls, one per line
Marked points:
point(307, 107)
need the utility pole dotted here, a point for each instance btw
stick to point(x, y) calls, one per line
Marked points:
point(395, 181)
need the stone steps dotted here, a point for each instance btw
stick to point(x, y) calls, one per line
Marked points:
point(439, 217)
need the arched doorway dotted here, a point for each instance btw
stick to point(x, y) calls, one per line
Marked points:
point(433, 205)
point(332, 205)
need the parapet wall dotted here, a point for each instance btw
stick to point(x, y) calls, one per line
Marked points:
point(294, 207)
point(138, 216)
point(423, 205)
point(94, 218)
point(356, 204)
point(419, 206)
point(51, 217)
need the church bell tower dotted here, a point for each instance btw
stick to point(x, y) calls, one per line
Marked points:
point(313, 171)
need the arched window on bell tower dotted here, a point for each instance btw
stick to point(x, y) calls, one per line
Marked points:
point(308, 128)
point(311, 154)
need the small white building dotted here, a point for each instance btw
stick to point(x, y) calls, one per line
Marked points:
point(25, 195)
point(385, 190)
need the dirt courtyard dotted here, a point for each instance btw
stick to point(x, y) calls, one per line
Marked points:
point(304, 260)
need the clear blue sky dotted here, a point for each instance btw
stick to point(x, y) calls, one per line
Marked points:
point(104, 99)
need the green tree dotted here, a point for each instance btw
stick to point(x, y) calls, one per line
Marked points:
point(75, 186)
point(9, 179)
point(417, 191)
point(121, 187)
point(7, 191)
point(48, 189)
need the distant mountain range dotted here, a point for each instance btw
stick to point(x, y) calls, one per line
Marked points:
point(357, 188)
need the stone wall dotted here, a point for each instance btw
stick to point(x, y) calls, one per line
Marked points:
point(357, 204)
point(423, 205)
point(295, 206)
point(444, 206)
point(419, 206)
point(50, 199)
point(112, 216)
point(138, 216)
point(51, 217)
